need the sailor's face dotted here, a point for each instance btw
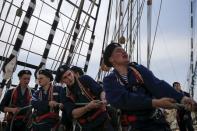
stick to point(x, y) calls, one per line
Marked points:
point(119, 56)
point(177, 87)
point(43, 80)
point(68, 78)
point(24, 80)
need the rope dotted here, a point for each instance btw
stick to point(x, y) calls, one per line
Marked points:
point(13, 118)
point(84, 30)
point(75, 30)
point(34, 32)
point(156, 29)
point(10, 64)
point(9, 8)
point(3, 5)
point(66, 45)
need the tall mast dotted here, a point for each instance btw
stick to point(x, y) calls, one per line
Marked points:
point(149, 17)
point(192, 72)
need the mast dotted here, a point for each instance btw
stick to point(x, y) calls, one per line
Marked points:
point(10, 63)
point(105, 37)
point(149, 17)
point(192, 71)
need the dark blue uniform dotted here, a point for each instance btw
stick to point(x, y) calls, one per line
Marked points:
point(184, 118)
point(101, 121)
point(40, 103)
point(135, 100)
point(15, 98)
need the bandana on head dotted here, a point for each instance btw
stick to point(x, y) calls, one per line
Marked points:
point(22, 72)
point(60, 71)
point(47, 74)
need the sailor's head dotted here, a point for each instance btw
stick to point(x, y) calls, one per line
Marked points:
point(65, 75)
point(44, 77)
point(77, 71)
point(176, 86)
point(24, 77)
point(114, 55)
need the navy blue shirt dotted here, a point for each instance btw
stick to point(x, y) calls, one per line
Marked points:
point(87, 82)
point(40, 99)
point(21, 100)
point(121, 97)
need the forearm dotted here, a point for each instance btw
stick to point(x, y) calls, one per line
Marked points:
point(78, 112)
point(7, 109)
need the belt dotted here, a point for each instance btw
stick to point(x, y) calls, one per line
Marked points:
point(129, 119)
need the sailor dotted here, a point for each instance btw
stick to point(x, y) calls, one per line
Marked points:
point(134, 90)
point(15, 100)
point(47, 101)
point(65, 121)
point(183, 116)
point(87, 101)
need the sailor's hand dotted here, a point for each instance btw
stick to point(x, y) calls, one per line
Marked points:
point(104, 104)
point(94, 104)
point(61, 106)
point(189, 103)
point(53, 103)
point(166, 103)
point(14, 110)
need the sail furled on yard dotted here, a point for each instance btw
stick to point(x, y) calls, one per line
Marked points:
point(10, 63)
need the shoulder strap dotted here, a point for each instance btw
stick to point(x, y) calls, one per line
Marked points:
point(137, 75)
point(14, 94)
point(89, 95)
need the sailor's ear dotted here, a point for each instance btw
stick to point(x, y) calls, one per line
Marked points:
point(111, 59)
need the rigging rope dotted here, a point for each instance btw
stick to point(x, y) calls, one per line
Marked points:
point(34, 32)
point(65, 46)
point(76, 31)
point(9, 8)
point(3, 5)
point(105, 38)
point(49, 41)
point(7, 47)
point(156, 29)
point(10, 64)
point(82, 36)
